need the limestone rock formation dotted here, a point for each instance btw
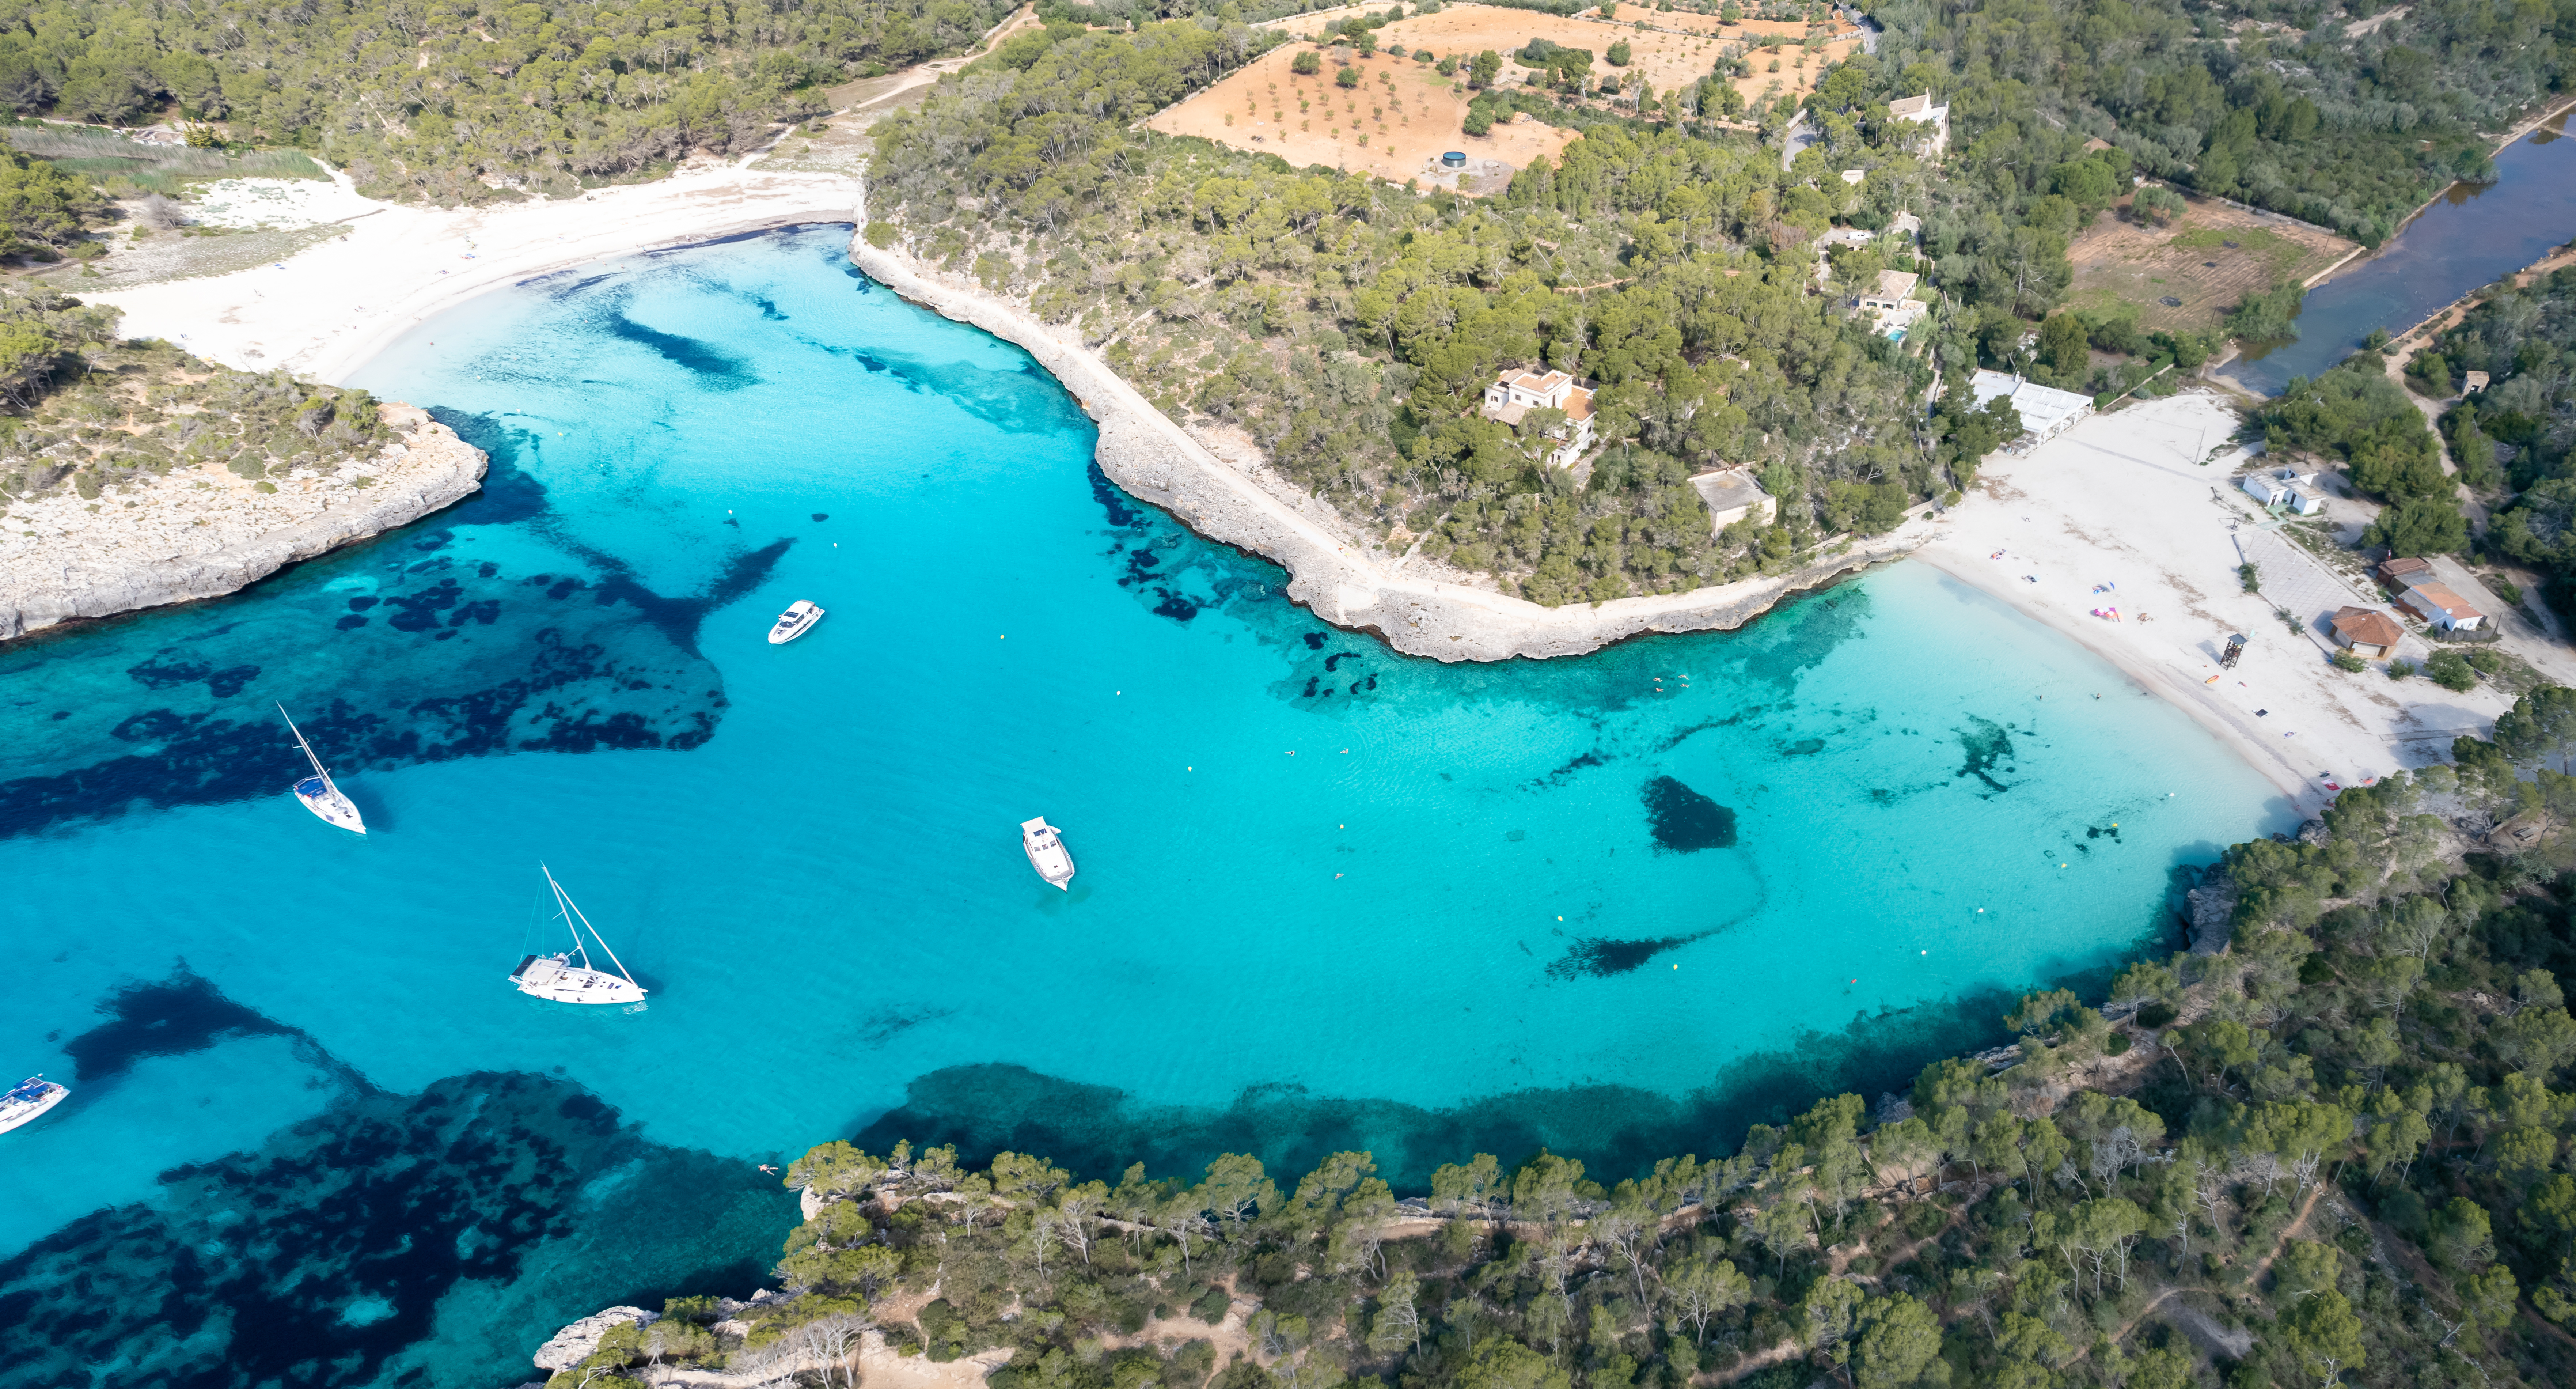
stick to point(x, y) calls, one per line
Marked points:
point(574, 1343)
point(203, 533)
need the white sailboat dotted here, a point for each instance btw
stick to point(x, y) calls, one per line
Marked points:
point(317, 791)
point(28, 1099)
point(558, 979)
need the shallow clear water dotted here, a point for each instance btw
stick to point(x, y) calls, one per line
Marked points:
point(1329, 896)
point(2469, 237)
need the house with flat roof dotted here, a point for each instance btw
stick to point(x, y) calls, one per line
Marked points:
point(2472, 382)
point(1921, 111)
point(2366, 631)
point(2272, 489)
point(2045, 411)
point(1515, 393)
point(2437, 604)
point(1732, 495)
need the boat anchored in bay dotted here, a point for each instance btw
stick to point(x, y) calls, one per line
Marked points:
point(1047, 853)
point(30, 1098)
point(799, 619)
point(557, 979)
point(318, 792)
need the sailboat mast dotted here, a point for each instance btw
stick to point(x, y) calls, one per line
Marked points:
point(318, 769)
point(565, 911)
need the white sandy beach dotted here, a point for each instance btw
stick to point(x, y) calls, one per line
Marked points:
point(327, 311)
point(2119, 500)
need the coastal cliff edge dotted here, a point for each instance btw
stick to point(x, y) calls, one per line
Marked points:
point(203, 533)
point(1143, 451)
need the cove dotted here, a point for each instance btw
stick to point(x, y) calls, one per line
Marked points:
point(1328, 895)
point(2467, 238)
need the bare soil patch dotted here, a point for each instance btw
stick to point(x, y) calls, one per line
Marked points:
point(2188, 275)
point(1403, 116)
point(1396, 124)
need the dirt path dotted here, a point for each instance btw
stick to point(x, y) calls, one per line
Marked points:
point(2288, 1232)
point(877, 91)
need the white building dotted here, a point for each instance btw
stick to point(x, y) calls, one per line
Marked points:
point(2437, 604)
point(1921, 111)
point(2280, 489)
point(1516, 393)
point(2045, 411)
point(1732, 495)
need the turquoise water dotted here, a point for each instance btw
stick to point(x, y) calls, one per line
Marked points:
point(1328, 895)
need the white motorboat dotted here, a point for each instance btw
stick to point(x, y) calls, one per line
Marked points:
point(1047, 853)
point(799, 619)
point(317, 791)
point(559, 979)
point(33, 1096)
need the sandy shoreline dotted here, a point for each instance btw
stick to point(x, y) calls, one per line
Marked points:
point(2057, 513)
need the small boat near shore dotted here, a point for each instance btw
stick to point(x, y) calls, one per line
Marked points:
point(799, 619)
point(319, 794)
point(28, 1099)
point(558, 979)
point(1046, 852)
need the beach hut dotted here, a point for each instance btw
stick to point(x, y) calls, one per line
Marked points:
point(2366, 631)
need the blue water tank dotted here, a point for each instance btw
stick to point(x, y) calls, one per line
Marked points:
point(1454, 159)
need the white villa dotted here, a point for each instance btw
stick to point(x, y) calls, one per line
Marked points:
point(1516, 393)
point(1921, 111)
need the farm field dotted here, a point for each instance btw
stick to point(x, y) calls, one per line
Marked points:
point(2188, 275)
point(1400, 118)
point(1403, 115)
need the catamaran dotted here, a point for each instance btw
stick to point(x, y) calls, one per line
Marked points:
point(33, 1096)
point(1047, 853)
point(793, 623)
point(557, 978)
point(317, 791)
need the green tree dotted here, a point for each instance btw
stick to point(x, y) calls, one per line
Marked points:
point(1899, 1340)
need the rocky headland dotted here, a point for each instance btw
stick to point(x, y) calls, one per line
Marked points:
point(202, 532)
point(1340, 575)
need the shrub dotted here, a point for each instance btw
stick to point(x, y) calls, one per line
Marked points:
point(1446, 67)
point(881, 235)
point(2399, 670)
point(2450, 670)
point(2348, 662)
point(2250, 577)
point(1619, 54)
point(1306, 64)
point(2487, 662)
point(1479, 120)
point(1347, 77)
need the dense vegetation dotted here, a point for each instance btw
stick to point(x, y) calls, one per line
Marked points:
point(1349, 327)
point(86, 412)
point(449, 99)
point(2334, 1153)
point(2521, 430)
point(2275, 103)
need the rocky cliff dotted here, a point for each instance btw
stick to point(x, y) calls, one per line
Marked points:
point(203, 532)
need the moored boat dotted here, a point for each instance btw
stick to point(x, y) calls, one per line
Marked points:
point(799, 619)
point(1046, 852)
point(318, 792)
point(558, 979)
point(28, 1099)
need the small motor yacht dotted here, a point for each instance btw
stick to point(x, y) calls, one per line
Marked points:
point(30, 1098)
point(799, 619)
point(1047, 853)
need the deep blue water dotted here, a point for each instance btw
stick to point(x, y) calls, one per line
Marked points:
point(2473, 235)
point(1329, 896)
